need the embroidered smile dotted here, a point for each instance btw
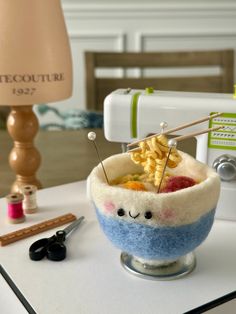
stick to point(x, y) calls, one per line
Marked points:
point(133, 216)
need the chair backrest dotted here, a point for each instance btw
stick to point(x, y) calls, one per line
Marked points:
point(97, 88)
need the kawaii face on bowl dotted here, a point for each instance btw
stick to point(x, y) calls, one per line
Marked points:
point(132, 215)
point(154, 226)
point(149, 208)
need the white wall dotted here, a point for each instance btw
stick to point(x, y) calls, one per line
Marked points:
point(144, 26)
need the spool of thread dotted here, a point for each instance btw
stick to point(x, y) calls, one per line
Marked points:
point(15, 209)
point(29, 201)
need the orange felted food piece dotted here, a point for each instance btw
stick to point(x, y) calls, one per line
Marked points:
point(134, 185)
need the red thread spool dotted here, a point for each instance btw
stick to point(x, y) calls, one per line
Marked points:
point(15, 208)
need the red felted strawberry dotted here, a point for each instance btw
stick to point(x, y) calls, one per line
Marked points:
point(176, 183)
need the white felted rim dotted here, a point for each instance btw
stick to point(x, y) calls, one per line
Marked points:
point(176, 208)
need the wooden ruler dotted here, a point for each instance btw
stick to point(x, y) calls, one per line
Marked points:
point(35, 229)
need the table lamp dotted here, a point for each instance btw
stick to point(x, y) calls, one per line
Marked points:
point(35, 67)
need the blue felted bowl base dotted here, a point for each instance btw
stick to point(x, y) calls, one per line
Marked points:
point(160, 243)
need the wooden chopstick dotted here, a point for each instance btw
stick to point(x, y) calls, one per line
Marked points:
point(136, 149)
point(183, 137)
point(177, 128)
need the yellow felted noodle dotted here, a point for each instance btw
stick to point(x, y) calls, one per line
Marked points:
point(153, 156)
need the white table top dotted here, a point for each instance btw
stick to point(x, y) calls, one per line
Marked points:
point(91, 279)
point(9, 302)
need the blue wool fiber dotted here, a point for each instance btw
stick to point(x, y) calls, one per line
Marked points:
point(160, 243)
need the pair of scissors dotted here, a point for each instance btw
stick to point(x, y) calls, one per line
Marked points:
point(53, 248)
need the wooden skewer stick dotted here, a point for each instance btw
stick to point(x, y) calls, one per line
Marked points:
point(183, 137)
point(137, 149)
point(177, 128)
point(173, 143)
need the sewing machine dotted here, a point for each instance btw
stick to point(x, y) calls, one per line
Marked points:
point(133, 114)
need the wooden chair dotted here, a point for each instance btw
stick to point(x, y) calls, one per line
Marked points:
point(98, 88)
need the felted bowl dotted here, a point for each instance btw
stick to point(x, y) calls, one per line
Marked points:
point(180, 221)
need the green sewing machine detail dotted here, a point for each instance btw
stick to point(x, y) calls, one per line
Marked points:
point(225, 138)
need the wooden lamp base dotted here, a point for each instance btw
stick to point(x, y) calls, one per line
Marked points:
point(24, 159)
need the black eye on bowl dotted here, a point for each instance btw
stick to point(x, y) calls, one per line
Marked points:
point(120, 212)
point(148, 215)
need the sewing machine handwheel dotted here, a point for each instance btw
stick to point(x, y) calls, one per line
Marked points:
point(225, 166)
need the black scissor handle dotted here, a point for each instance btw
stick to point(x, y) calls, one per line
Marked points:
point(60, 235)
point(56, 251)
point(38, 250)
point(52, 247)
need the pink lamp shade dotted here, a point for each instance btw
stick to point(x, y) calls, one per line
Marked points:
point(35, 67)
point(35, 63)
